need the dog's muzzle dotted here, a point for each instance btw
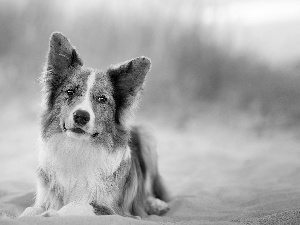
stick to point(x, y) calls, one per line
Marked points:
point(79, 131)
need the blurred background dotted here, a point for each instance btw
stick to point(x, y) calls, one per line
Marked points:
point(222, 97)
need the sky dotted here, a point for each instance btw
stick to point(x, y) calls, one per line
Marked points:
point(251, 13)
point(270, 28)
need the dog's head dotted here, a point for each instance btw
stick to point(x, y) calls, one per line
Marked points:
point(85, 103)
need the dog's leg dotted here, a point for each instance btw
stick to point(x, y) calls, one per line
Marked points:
point(159, 189)
point(154, 191)
point(155, 206)
point(156, 196)
point(44, 197)
point(39, 206)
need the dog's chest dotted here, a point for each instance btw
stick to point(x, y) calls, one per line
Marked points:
point(87, 185)
point(83, 172)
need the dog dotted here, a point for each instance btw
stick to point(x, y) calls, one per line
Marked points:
point(91, 161)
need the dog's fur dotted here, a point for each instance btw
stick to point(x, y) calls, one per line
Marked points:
point(90, 160)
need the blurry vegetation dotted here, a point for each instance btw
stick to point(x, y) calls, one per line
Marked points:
point(191, 74)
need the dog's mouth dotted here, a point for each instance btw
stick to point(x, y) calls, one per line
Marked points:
point(79, 131)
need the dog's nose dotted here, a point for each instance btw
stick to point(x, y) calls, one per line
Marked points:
point(81, 117)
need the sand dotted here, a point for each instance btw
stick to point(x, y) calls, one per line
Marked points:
point(216, 174)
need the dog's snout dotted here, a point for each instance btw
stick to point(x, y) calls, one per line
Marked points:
point(81, 117)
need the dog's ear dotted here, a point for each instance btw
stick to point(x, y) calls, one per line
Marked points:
point(127, 79)
point(61, 57)
point(62, 54)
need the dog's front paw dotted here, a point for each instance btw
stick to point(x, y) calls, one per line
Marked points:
point(156, 206)
point(32, 211)
point(50, 213)
point(77, 208)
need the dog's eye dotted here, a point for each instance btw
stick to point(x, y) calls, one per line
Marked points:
point(102, 99)
point(70, 92)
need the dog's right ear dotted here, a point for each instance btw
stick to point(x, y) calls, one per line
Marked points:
point(61, 55)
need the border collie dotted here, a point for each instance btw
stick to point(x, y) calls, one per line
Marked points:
point(91, 162)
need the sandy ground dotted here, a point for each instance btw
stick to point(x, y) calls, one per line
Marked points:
point(216, 173)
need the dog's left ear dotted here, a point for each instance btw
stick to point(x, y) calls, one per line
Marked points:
point(127, 79)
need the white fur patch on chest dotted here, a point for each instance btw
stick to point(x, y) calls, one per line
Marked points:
point(80, 167)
